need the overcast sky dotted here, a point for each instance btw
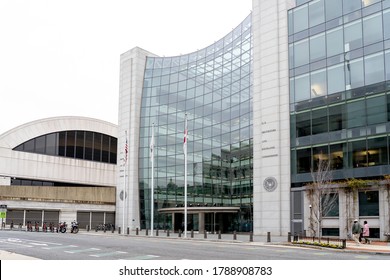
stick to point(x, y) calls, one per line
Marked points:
point(61, 58)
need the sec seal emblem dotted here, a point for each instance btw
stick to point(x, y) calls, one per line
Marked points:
point(270, 184)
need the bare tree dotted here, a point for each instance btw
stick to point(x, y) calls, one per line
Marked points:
point(322, 196)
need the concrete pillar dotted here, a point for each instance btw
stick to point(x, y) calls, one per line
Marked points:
point(201, 222)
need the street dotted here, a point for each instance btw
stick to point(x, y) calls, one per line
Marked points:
point(99, 246)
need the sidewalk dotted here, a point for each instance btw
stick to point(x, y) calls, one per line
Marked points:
point(376, 247)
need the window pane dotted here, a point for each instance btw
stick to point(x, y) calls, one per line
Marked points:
point(386, 23)
point(301, 53)
point(113, 150)
point(351, 5)
point(97, 146)
point(303, 124)
point(332, 210)
point(377, 151)
point(320, 153)
point(337, 156)
point(355, 73)
point(40, 143)
point(374, 70)
point(369, 203)
point(302, 87)
point(319, 121)
point(88, 145)
point(51, 144)
point(333, 9)
point(353, 35)
point(70, 143)
point(376, 110)
point(316, 12)
point(334, 41)
point(300, 19)
point(387, 62)
point(304, 160)
point(372, 29)
point(358, 152)
point(336, 117)
point(317, 47)
point(318, 83)
point(61, 143)
point(336, 79)
point(80, 144)
point(355, 114)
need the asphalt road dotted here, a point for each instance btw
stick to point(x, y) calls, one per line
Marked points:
point(92, 246)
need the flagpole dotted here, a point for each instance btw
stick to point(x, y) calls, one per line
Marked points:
point(185, 177)
point(124, 185)
point(152, 189)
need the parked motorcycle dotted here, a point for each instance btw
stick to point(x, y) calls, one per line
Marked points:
point(74, 227)
point(62, 227)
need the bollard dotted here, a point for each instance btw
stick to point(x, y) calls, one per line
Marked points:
point(128, 230)
point(219, 234)
point(113, 229)
point(205, 234)
point(251, 236)
point(289, 237)
point(179, 233)
point(234, 235)
point(147, 232)
point(105, 229)
point(192, 233)
point(344, 243)
point(167, 232)
point(119, 230)
point(156, 232)
point(136, 231)
point(268, 236)
point(87, 227)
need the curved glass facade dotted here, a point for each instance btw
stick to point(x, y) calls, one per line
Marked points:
point(213, 87)
point(78, 144)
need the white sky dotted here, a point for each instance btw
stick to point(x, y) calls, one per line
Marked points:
point(61, 58)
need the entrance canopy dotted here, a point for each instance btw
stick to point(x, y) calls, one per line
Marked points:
point(204, 209)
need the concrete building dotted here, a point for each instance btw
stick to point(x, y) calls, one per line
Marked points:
point(294, 82)
point(59, 169)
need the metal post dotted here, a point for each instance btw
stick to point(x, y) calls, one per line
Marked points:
point(251, 236)
point(179, 232)
point(192, 233)
point(136, 231)
point(147, 232)
point(219, 234)
point(128, 230)
point(167, 232)
point(289, 237)
point(268, 236)
point(156, 232)
point(234, 235)
point(119, 230)
point(205, 234)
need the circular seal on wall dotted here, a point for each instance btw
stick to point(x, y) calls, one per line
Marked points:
point(270, 184)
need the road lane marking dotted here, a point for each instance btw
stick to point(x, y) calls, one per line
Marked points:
point(145, 257)
point(108, 254)
point(60, 247)
point(82, 250)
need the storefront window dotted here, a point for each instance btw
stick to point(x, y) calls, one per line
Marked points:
point(369, 203)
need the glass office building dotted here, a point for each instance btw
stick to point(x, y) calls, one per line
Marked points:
point(339, 64)
point(213, 88)
point(296, 82)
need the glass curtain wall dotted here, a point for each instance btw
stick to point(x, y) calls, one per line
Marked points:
point(213, 88)
point(339, 61)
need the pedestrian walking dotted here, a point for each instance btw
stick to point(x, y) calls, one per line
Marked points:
point(366, 233)
point(356, 230)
